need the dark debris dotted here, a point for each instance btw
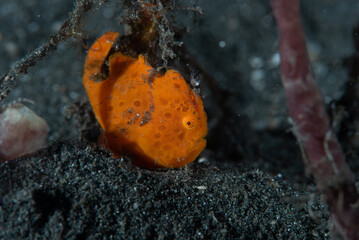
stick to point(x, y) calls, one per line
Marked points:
point(70, 28)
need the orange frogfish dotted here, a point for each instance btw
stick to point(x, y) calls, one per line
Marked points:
point(156, 118)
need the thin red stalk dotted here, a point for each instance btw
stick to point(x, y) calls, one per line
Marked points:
point(326, 161)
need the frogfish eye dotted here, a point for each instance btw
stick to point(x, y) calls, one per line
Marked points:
point(188, 122)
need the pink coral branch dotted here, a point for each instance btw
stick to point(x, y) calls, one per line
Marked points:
point(326, 160)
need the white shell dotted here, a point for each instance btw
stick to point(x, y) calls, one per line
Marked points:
point(21, 131)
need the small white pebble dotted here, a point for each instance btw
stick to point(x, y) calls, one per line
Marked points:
point(256, 62)
point(22, 131)
point(11, 48)
point(222, 44)
point(74, 95)
point(275, 60)
point(202, 160)
point(201, 187)
point(257, 80)
point(195, 79)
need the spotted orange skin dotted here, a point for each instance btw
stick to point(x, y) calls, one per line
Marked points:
point(156, 118)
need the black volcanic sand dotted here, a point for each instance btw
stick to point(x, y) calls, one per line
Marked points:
point(249, 183)
point(72, 190)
